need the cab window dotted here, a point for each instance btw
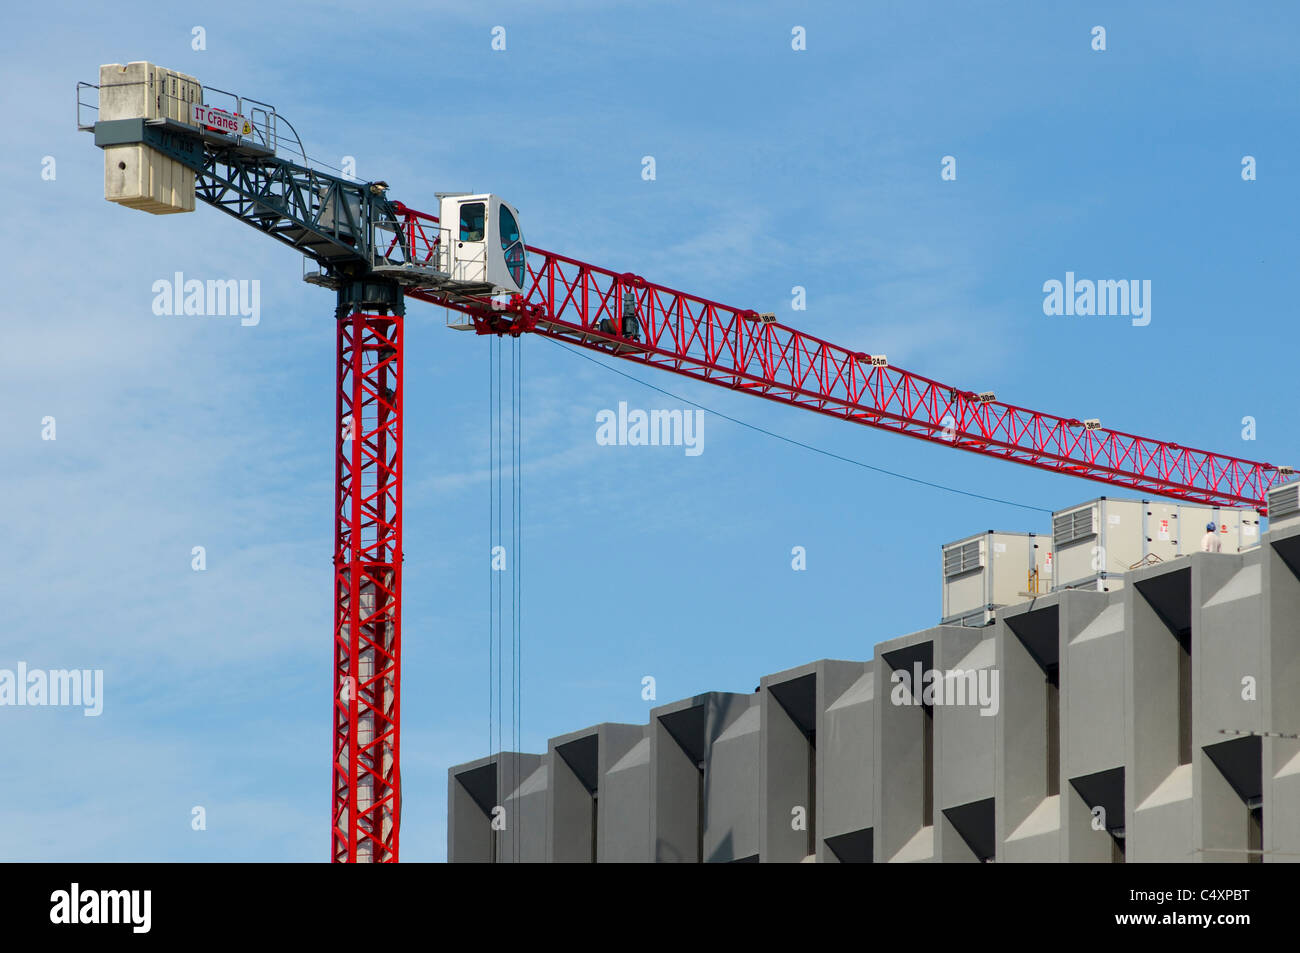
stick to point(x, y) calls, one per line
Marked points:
point(509, 228)
point(513, 245)
point(471, 222)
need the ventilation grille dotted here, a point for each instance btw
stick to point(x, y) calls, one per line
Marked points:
point(1284, 500)
point(1072, 527)
point(961, 559)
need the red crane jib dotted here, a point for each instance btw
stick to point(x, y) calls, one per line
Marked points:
point(732, 347)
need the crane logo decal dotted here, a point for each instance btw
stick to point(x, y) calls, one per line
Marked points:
point(218, 120)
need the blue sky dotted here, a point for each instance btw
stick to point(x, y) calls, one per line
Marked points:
point(774, 168)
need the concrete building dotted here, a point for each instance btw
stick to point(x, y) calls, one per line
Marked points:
point(1157, 721)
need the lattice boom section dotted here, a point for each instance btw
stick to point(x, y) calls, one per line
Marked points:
point(735, 348)
point(367, 580)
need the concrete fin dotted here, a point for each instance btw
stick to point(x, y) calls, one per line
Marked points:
point(637, 755)
point(982, 655)
point(1109, 621)
point(1244, 583)
point(532, 784)
point(1042, 820)
point(920, 847)
point(746, 724)
point(1176, 787)
point(859, 693)
point(1291, 767)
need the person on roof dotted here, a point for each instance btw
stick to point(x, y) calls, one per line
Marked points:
point(1210, 541)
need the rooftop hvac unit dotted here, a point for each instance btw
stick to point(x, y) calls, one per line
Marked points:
point(1094, 544)
point(1284, 505)
point(1073, 526)
point(962, 558)
point(982, 573)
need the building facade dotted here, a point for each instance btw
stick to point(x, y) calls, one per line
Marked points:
point(1158, 721)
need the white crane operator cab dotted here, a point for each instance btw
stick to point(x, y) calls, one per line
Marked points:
point(484, 244)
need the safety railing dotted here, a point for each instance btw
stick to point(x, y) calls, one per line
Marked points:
point(414, 238)
point(87, 112)
point(468, 263)
point(266, 128)
point(263, 121)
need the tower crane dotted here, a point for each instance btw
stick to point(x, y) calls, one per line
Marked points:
point(168, 140)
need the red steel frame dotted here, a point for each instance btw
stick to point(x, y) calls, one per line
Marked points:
point(567, 299)
point(366, 807)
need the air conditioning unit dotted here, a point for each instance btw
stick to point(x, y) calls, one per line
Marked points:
point(961, 558)
point(1284, 505)
point(1097, 543)
point(982, 573)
